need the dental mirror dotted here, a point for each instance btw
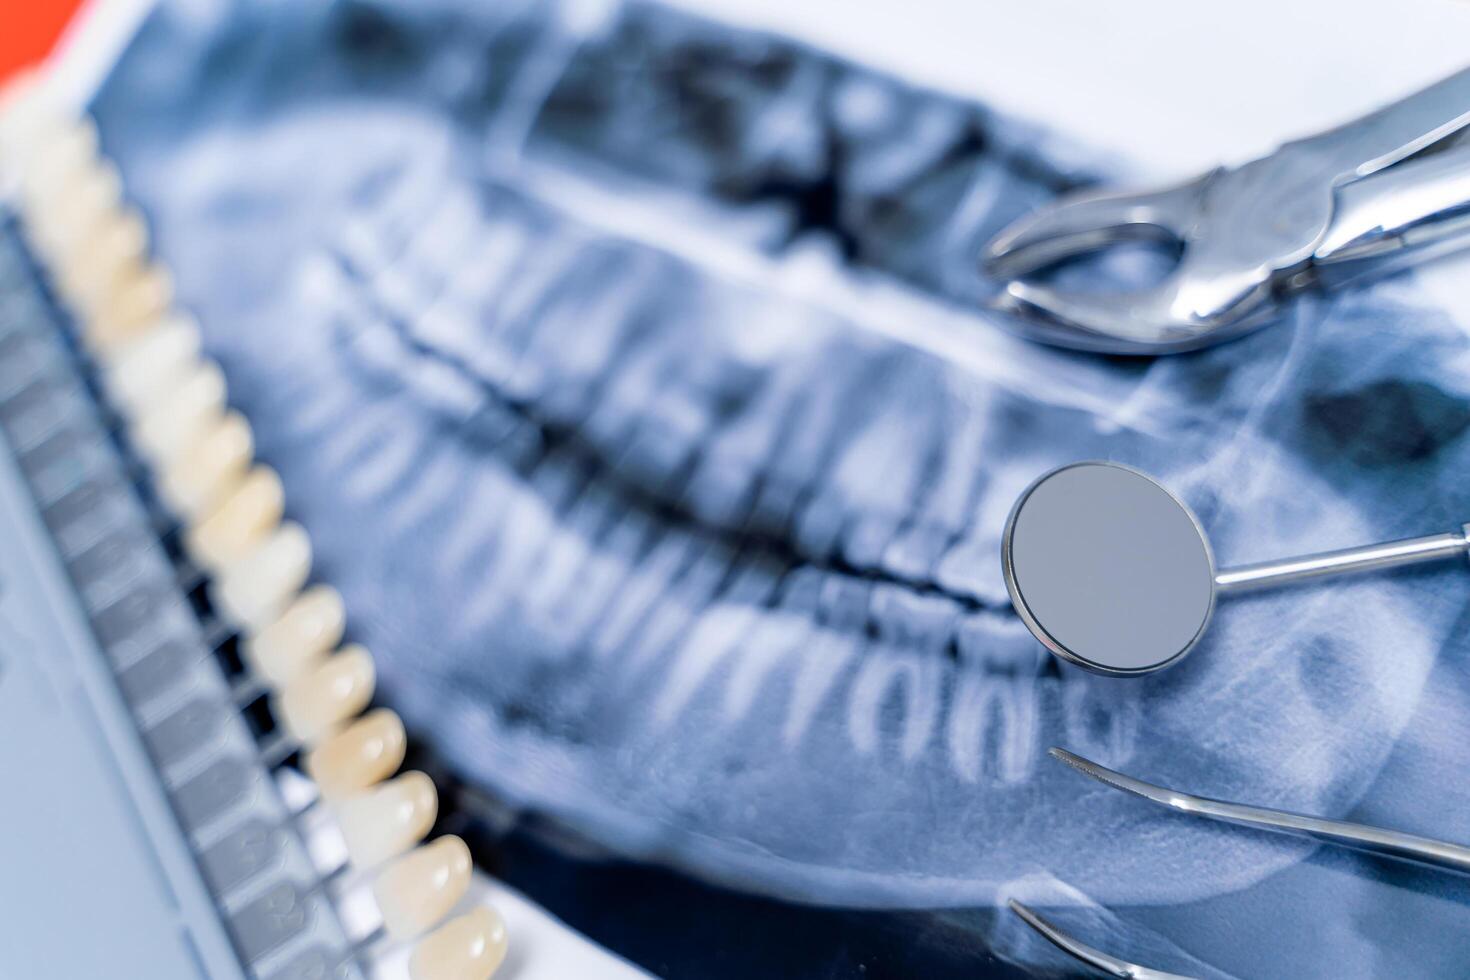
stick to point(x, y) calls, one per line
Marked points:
point(1112, 572)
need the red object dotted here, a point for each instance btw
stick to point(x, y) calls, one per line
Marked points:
point(29, 29)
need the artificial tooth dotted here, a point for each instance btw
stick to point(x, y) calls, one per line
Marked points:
point(133, 305)
point(150, 367)
point(243, 518)
point(359, 756)
point(417, 890)
point(321, 698)
point(64, 225)
point(177, 418)
point(302, 634)
point(57, 159)
point(200, 476)
point(470, 947)
point(253, 590)
point(116, 249)
point(388, 819)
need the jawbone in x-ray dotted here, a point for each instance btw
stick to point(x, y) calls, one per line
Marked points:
point(636, 381)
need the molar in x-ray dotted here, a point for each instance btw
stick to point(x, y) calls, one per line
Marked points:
point(752, 569)
point(643, 540)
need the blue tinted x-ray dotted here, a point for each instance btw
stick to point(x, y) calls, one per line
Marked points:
point(587, 341)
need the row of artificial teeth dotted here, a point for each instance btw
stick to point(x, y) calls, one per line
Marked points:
point(202, 456)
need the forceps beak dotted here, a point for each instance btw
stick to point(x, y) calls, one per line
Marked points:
point(1089, 221)
point(1177, 314)
point(1437, 854)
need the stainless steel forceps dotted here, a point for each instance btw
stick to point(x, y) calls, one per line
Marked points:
point(1367, 198)
point(1426, 851)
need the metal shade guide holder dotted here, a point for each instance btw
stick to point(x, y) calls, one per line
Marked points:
point(1113, 573)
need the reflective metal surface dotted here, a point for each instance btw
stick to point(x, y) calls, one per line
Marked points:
point(1311, 213)
point(1438, 854)
point(659, 554)
point(1368, 558)
point(1083, 953)
point(1108, 569)
point(1112, 572)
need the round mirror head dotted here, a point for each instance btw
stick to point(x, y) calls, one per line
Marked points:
point(1108, 569)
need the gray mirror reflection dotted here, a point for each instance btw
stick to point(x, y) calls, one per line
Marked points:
point(1112, 572)
point(1108, 569)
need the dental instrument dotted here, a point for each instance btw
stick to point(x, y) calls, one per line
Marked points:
point(1112, 572)
point(1090, 955)
point(1367, 198)
point(1424, 851)
point(1437, 854)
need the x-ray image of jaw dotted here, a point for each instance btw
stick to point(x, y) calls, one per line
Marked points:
point(584, 344)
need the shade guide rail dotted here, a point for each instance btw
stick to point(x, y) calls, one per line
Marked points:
point(1112, 572)
point(110, 389)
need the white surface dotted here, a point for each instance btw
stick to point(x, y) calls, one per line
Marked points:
point(1174, 87)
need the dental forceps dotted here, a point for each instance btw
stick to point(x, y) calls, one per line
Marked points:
point(1375, 195)
point(1425, 851)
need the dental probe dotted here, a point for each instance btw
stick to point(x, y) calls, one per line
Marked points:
point(1092, 956)
point(1378, 841)
point(1112, 572)
point(1437, 854)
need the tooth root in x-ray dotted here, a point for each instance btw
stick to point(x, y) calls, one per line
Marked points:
point(824, 661)
point(731, 424)
point(716, 634)
point(777, 639)
point(722, 487)
point(591, 598)
point(897, 683)
point(949, 499)
point(393, 451)
point(905, 618)
point(993, 726)
point(570, 550)
point(672, 613)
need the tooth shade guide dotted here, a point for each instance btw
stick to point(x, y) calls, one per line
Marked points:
point(178, 418)
point(388, 819)
point(240, 520)
point(469, 947)
point(417, 891)
point(174, 410)
point(319, 701)
point(299, 638)
point(201, 476)
point(253, 590)
point(137, 301)
point(166, 692)
point(359, 756)
point(147, 370)
point(99, 262)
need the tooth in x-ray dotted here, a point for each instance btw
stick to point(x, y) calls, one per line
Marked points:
point(672, 555)
point(948, 501)
point(589, 600)
point(776, 640)
point(714, 635)
point(798, 559)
